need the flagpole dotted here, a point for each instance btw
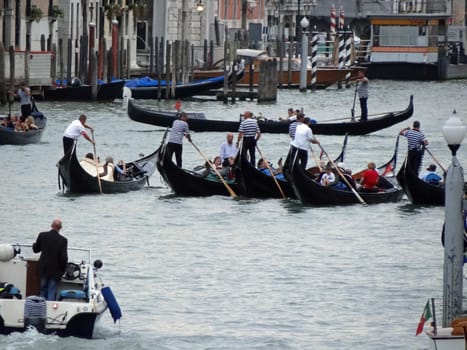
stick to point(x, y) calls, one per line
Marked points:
point(433, 312)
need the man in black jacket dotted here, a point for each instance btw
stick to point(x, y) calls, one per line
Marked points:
point(53, 259)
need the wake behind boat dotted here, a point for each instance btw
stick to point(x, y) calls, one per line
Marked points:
point(82, 296)
point(165, 119)
point(80, 177)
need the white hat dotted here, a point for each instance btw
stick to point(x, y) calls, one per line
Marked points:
point(341, 165)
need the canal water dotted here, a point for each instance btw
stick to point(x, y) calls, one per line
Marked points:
point(218, 273)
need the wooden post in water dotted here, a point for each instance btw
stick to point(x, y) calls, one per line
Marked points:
point(3, 89)
point(11, 52)
point(68, 60)
point(93, 65)
point(175, 69)
point(267, 85)
point(128, 59)
point(168, 69)
point(92, 36)
point(53, 61)
point(114, 48)
point(289, 66)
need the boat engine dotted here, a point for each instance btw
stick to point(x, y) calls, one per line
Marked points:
point(8, 252)
point(35, 312)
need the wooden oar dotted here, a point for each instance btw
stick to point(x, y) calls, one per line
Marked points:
point(213, 167)
point(315, 158)
point(344, 178)
point(95, 162)
point(436, 160)
point(272, 173)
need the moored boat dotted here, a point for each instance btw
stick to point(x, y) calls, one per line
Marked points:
point(9, 136)
point(165, 119)
point(78, 177)
point(82, 297)
point(83, 92)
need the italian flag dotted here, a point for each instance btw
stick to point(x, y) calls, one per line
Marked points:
point(426, 315)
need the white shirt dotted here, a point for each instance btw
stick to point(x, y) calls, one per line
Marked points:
point(329, 177)
point(303, 136)
point(74, 130)
point(228, 150)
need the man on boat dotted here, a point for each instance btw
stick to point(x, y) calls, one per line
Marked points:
point(416, 143)
point(53, 260)
point(228, 149)
point(74, 130)
point(302, 139)
point(362, 89)
point(179, 130)
point(24, 95)
point(431, 176)
point(250, 133)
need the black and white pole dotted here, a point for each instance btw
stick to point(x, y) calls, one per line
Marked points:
point(341, 53)
point(348, 55)
point(304, 56)
point(314, 57)
point(454, 132)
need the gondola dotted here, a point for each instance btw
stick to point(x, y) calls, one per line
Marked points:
point(83, 92)
point(77, 180)
point(11, 137)
point(185, 182)
point(310, 192)
point(200, 123)
point(147, 88)
point(255, 183)
point(417, 190)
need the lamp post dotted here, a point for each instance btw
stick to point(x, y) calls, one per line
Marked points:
point(304, 55)
point(454, 132)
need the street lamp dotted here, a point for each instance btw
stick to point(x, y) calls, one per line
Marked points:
point(454, 132)
point(200, 6)
point(304, 55)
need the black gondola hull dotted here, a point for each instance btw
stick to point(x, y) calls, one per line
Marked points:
point(417, 190)
point(105, 92)
point(77, 180)
point(11, 137)
point(188, 183)
point(310, 192)
point(165, 119)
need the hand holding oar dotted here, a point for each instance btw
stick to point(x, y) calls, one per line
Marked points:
point(344, 178)
point(95, 161)
point(229, 189)
point(272, 173)
point(436, 160)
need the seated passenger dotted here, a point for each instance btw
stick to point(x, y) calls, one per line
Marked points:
point(431, 177)
point(30, 123)
point(7, 123)
point(88, 164)
point(121, 173)
point(369, 180)
point(328, 178)
point(20, 125)
point(109, 169)
point(278, 173)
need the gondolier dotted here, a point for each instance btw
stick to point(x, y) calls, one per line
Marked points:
point(416, 143)
point(74, 130)
point(302, 139)
point(250, 133)
point(24, 95)
point(180, 129)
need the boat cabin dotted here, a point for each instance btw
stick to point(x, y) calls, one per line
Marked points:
point(408, 46)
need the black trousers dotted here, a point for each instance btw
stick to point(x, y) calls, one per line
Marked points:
point(176, 148)
point(414, 160)
point(249, 145)
point(67, 144)
point(300, 154)
point(364, 108)
point(26, 111)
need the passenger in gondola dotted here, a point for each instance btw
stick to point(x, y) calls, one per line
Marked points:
point(431, 176)
point(88, 164)
point(278, 172)
point(328, 178)
point(370, 178)
point(121, 171)
point(110, 170)
point(30, 123)
point(21, 125)
point(228, 149)
point(7, 123)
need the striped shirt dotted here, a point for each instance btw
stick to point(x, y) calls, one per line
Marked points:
point(415, 139)
point(292, 128)
point(179, 129)
point(249, 127)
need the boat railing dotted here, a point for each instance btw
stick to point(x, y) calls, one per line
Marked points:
point(84, 254)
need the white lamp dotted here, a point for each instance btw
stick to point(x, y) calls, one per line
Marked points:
point(200, 6)
point(454, 132)
point(304, 23)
